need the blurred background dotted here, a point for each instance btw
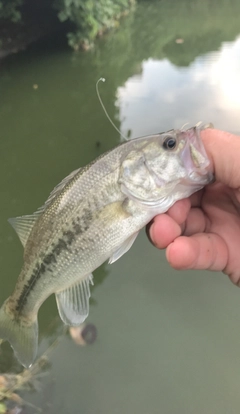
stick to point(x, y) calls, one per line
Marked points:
point(167, 341)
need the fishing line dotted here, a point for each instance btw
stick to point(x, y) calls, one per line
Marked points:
point(184, 125)
point(103, 107)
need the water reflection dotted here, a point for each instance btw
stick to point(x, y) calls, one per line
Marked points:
point(165, 96)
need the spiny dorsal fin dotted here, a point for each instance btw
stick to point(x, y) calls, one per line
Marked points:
point(24, 224)
point(57, 190)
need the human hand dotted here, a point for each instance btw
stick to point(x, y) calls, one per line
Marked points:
point(203, 232)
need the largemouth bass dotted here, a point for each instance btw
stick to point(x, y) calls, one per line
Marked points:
point(92, 216)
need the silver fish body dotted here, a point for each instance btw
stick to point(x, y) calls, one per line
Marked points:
point(92, 216)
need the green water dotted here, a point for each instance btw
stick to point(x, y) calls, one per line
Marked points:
point(168, 342)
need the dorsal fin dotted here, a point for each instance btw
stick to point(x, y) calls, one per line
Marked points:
point(57, 190)
point(24, 224)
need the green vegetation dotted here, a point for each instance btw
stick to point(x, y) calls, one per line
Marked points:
point(88, 18)
point(9, 10)
point(91, 18)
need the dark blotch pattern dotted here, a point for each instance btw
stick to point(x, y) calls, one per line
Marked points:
point(50, 258)
point(82, 224)
point(79, 226)
point(61, 245)
point(70, 237)
point(39, 269)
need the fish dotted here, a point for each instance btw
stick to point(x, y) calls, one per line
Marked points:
point(92, 216)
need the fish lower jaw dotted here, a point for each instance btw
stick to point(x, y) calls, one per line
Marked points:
point(200, 179)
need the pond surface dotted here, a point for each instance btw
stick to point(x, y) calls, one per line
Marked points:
point(168, 342)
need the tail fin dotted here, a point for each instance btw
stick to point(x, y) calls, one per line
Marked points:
point(23, 338)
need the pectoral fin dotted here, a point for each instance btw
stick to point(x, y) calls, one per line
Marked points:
point(123, 248)
point(73, 302)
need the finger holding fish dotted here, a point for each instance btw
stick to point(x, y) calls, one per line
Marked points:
point(164, 228)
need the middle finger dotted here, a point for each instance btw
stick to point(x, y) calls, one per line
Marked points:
point(195, 222)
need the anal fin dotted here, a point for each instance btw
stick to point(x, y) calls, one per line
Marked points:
point(73, 302)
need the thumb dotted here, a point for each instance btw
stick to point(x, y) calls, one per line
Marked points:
point(223, 150)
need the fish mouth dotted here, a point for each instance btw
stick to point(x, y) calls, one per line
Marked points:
point(196, 159)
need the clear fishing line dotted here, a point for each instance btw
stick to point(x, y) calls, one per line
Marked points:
point(103, 107)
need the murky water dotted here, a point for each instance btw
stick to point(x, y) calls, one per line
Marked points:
point(168, 341)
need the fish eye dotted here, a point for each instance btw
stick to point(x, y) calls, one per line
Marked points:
point(169, 143)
